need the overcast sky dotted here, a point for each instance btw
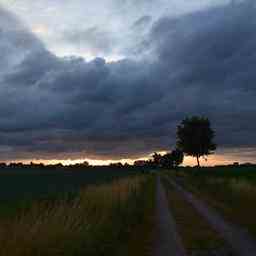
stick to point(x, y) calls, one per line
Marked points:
point(103, 28)
point(111, 79)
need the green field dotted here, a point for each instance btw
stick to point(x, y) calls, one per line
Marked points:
point(100, 218)
point(19, 187)
point(39, 183)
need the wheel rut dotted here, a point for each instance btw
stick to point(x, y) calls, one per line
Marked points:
point(167, 239)
point(240, 241)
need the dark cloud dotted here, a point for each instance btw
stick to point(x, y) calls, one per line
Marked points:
point(210, 56)
point(16, 42)
point(201, 63)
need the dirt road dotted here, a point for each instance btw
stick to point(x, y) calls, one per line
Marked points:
point(167, 240)
point(240, 241)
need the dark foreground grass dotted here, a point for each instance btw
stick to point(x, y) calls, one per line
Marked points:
point(19, 187)
point(197, 235)
point(141, 237)
point(101, 220)
point(25, 184)
point(229, 172)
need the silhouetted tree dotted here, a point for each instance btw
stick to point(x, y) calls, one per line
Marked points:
point(3, 165)
point(178, 157)
point(116, 165)
point(157, 159)
point(85, 164)
point(167, 161)
point(195, 137)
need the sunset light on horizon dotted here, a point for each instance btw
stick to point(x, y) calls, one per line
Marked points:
point(228, 158)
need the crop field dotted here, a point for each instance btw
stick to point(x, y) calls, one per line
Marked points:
point(37, 183)
point(20, 187)
point(98, 220)
point(240, 172)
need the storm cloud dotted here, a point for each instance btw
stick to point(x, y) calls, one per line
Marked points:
point(198, 63)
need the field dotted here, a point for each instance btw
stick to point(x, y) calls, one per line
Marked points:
point(20, 187)
point(112, 211)
point(99, 218)
point(36, 183)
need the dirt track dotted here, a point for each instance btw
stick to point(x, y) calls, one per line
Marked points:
point(167, 240)
point(241, 242)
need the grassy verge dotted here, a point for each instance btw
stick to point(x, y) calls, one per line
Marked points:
point(233, 197)
point(197, 235)
point(101, 220)
point(141, 238)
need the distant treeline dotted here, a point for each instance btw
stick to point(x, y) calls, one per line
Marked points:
point(166, 161)
point(41, 165)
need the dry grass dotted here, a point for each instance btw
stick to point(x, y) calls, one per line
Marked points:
point(96, 222)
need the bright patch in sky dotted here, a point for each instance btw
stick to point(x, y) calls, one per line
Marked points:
point(220, 158)
point(102, 28)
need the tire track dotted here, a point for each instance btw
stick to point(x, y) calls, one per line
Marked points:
point(241, 242)
point(167, 241)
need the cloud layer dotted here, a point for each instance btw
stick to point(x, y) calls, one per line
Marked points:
point(198, 63)
point(74, 27)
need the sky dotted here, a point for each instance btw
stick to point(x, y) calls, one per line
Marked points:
point(111, 79)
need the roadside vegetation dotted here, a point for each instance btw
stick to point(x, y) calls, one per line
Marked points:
point(197, 235)
point(100, 220)
point(231, 190)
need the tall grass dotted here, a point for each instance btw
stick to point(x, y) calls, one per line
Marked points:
point(234, 195)
point(98, 221)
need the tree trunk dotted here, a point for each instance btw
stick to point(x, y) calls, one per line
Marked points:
point(198, 163)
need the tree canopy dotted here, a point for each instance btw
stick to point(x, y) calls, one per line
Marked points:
point(195, 137)
point(169, 160)
point(178, 157)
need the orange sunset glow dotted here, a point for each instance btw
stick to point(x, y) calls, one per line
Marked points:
point(229, 157)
